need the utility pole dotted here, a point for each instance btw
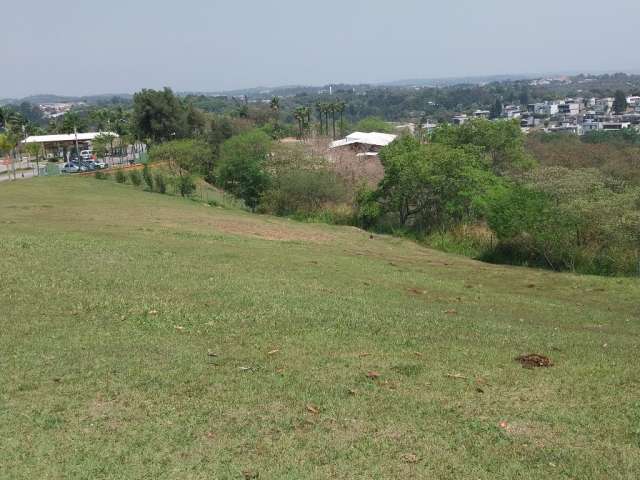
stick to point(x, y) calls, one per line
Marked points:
point(75, 131)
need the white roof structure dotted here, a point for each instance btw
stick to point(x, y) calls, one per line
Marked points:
point(67, 137)
point(372, 138)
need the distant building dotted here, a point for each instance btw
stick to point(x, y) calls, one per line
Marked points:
point(566, 127)
point(459, 119)
point(544, 108)
point(361, 143)
point(633, 101)
point(571, 109)
point(481, 114)
point(511, 111)
point(610, 126)
point(603, 105)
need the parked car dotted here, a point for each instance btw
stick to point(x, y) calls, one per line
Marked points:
point(86, 154)
point(87, 164)
point(100, 164)
point(70, 168)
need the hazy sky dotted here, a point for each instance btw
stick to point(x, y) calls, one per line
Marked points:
point(85, 47)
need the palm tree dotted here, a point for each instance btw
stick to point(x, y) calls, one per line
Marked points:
point(275, 108)
point(333, 108)
point(320, 110)
point(299, 114)
point(340, 108)
point(325, 110)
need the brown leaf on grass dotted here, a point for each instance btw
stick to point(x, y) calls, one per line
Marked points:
point(210, 435)
point(153, 312)
point(273, 352)
point(418, 354)
point(311, 408)
point(503, 424)
point(180, 328)
point(416, 291)
point(373, 374)
point(451, 312)
point(352, 391)
point(364, 354)
point(534, 360)
point(409, 458)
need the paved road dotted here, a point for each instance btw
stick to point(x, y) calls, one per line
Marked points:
point(20, 174)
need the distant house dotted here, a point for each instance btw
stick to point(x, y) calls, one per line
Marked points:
point(569, 108)
point(363, 144)
point(459, 119)
point(566, 127)
point(604, 105)
point(481, 114)
point(633, 101)
point(511, 112)
point(543, 108)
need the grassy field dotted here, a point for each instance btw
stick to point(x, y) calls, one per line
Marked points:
point(338, 354)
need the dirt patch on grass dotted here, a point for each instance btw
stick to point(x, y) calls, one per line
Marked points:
point(535, 434)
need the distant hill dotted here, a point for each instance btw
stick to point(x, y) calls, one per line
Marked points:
point(51, 98)
point(449, 81)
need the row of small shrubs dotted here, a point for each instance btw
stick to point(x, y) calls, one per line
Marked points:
point(153, 182)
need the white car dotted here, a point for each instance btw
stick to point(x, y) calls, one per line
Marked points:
point(86, 154)
point(100, 164)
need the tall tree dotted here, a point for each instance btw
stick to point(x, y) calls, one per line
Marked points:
point(620, 102)
point(340, 108)
point(331, 109)
point(242, 166)
point(158, 116)
point(274, 105)
point(320, 110)
point(496, 109)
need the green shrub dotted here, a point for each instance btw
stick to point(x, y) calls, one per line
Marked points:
point(99, 175)
point(185, 185)
point(120, 176)
point(135, 177)
point(160, 183)
point(303, 192)
point(148, 178)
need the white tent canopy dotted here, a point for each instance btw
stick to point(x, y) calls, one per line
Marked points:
point(68, 137)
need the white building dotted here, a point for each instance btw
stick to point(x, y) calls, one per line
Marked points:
point(605, 126)
point(459, 119)
point(545, 108)
point(364, 143)
point(633, 101)
point(511, 112)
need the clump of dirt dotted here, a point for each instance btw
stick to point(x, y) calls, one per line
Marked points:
point(533, 360)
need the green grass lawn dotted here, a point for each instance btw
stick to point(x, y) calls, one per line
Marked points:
point(112, 298)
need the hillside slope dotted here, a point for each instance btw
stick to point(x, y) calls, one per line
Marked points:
point(145, 336)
